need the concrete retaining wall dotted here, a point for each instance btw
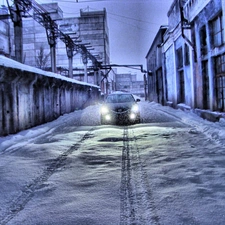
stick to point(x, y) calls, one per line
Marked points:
point(30, 97)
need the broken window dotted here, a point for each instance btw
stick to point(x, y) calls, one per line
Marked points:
point(217, 31)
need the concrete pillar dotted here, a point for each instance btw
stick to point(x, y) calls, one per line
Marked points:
point(18, 39)
point(18, 33)
point(56, 102)
point(36, 101)
point(53, 58)
point(15, 110)
point(62, 99)
point(70, 59)
point(7, 110)
point(85, 61)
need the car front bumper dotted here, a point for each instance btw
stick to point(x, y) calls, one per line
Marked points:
point(120, 117)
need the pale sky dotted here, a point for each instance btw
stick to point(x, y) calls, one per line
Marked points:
point(132, 24)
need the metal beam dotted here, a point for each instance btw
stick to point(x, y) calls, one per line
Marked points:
point(42, 17)
point(132, 66)
point(4, 17)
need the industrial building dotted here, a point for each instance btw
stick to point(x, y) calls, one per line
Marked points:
point(89, 32)
point(191, 51)
point(127, 82)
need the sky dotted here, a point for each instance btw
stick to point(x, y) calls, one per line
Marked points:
point(132, 24)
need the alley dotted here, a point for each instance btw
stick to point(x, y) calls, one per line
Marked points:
point(169, 169)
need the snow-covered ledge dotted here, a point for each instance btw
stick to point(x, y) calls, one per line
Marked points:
point(6, 62)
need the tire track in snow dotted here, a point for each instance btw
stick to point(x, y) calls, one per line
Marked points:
point(137, 204)
point(28, 191)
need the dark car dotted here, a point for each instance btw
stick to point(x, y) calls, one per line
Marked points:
point(120, 108)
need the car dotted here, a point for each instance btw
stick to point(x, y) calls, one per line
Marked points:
point(120, 108)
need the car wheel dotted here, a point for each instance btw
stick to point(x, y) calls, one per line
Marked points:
point(138, 120)
point(102, 121)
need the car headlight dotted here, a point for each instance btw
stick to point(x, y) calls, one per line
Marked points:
point(132, 116)
point(104, 110)
point(135, 108)
point(108, 117)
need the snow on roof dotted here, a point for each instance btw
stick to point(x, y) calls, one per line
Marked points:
point(6, 62)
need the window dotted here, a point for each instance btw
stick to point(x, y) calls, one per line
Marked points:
point(159, 56)
point(220, 65)
point(220, 81)
point(186, 55)
point(181, 87)
point(203, 40)
point(179, 58)
point(217, 31)
point(205, 81)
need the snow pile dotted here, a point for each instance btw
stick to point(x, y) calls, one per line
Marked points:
point(215, 131)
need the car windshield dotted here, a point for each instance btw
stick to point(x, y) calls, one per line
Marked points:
point(120, 98)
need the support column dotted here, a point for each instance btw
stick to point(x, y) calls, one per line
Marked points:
point(53, 58)
point(69, 51)
point(70, 67)
point(85, 61)
point(18, 32)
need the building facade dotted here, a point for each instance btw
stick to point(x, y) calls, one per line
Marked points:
point(155, 80)
point(5, 37)
point(90, 30)
point(193, 56)
point(178, 58)
point(208, 36)
point(128, 82)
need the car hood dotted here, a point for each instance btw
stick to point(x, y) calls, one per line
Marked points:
point(120, 106)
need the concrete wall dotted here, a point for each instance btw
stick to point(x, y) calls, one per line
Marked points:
point(30, 97)
point(154, 58)
point(178, 61)
point(194, 57)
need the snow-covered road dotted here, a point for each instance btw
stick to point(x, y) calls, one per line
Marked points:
point(167, 170)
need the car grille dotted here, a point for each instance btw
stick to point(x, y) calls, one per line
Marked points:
point(120, 110)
